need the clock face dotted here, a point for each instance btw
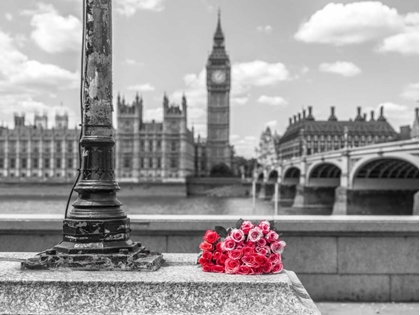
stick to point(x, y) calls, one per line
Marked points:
point(218, 76)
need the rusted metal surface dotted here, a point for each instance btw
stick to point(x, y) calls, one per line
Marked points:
point(96, 229)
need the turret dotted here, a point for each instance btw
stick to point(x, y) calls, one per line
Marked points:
point(332, 116)
point(381, 114)
point(61, 121)
point(19, 120)
point(310, 117)
point(359, 114)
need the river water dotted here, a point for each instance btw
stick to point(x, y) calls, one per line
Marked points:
point(159, 205)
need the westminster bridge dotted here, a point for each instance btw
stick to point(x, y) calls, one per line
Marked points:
point(375, 179)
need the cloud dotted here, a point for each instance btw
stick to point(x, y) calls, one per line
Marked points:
point(396, 114)
point(8, 16)
point(130, 7)
point(271, 123)
point(141, 87)
point(355, 23)
point(272, 100)
point(411, 92)
point(23, 79)
point(154, 114)
point(259, 73)
point(133, 62)
point(346, 69)
point(244, 146)
point(54, 33)
point(265, 29)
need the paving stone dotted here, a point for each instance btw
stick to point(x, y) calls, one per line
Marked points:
point(405, 288)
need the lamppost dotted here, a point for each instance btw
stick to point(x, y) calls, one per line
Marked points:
point(96, 233)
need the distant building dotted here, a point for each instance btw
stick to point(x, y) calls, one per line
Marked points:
point(36, 152)
point(153, 151)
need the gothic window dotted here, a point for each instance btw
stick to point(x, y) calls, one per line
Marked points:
point(12, 146)
point(46, 163)
point(150, 145)
point(12, 163)
point(126, 162)
point(47, 146)
point(173, 146)
point(69, 163)
point(70, 146)
point(141, 163)
point(35, 163)
point(23, 146)
point(159, 163)
point(141, 145)
point(58, 163)
point(150, 163)
point(58, 146)
point(1, 163)
point(24, 163)
point(174, 163)
point(35, 146)
point(158, 144)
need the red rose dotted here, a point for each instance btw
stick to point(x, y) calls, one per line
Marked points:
point(231, 265)
point(255, 234)
point(246, 226)
point(237, 235)
point(228, 244)
point(218, 269)
point(248, 250)
point(261, 259)
point(257, 271)
point(264, 226)
point(211, 236)
point(203, 261)
point(267, 267)
point(274, 258)
point(278, 267)
point(277, 247)
point(207, 268)
point(249, 260)
point(206, 246)
point(272, 236)
point(219, 246)
point(221, 261)
point(207, 255)
point(217, 255)
point(261, 242)
point(244, 270)
point(235, 254)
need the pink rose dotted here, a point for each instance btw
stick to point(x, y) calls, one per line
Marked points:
point(237, 235)
point(267, 267)
point(207, 255)
point(228, 244)
point(264, 226)
point(278, 267)
point(261, 250)
point(211, 236)
point(255, 234)
point(272, 236)
point(262, 242)
point(249, 260)
point(218, 269)
point(231, 265)
point(244, 270)
point(277, 247)
point(274, 258)
point(246, 226)
point(235, 254)
point(206, 246)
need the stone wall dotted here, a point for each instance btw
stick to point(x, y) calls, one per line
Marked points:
point(339, 258)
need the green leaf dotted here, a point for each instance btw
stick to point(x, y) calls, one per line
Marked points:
point(229, 230)
point(221, 231)
point(239, 223)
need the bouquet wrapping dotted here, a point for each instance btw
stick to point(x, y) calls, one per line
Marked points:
point(247, 249)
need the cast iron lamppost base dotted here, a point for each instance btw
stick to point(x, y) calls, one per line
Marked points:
point(96, 234)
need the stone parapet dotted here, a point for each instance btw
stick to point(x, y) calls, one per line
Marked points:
point(180, 287)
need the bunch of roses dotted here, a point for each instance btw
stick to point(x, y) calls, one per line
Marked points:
point(247, 249)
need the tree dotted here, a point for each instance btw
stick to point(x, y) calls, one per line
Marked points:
point(221, 170)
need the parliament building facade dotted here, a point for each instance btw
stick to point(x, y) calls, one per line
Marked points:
point(164, 151)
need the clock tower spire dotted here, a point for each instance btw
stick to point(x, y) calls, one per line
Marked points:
point(218, 101)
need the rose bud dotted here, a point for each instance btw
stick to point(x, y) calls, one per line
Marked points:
point(207, 255)
point(267, 267)
point(218, 269)
point(246, 226)
point(274, 258)
point(255, 234)
point(264, 226)
point(244, 270)
point(277, 247)
point(231, 266)
point(237, 235)
point(235, 254)
point(211, 236)
point(278, 267)
point(261, 242)
point(206, 246)
point(272, 236)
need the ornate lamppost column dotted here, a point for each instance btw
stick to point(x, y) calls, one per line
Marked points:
point(96, 234)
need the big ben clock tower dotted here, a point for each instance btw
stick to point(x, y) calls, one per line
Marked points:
point(218, 89)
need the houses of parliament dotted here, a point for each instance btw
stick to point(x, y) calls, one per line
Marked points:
point(145, 151)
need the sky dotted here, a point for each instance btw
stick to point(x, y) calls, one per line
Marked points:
point(285, 56)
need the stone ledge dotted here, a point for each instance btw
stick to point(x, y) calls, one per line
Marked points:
point(178, 288)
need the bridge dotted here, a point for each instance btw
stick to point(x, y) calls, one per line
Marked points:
point(374, 179)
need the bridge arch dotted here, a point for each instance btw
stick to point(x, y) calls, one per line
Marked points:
point(385, 173)
point(273, 176)
point(324, 174)
point(291, 175)
point(260, 177)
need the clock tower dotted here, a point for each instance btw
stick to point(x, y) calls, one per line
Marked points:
point(218, 89)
